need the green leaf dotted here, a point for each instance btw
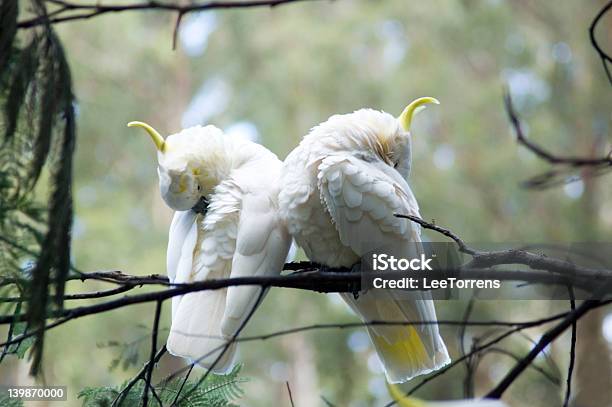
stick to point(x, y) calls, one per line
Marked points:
point(215, 391)
point(98, 396)
point(6, 401)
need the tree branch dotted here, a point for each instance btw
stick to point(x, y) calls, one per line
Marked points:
point(290, 395)
point(70, 11)
point(545, 154)
point(605, 58)
point(570, 369)
point(151, 364)
point(317, 281)
point(599, 165)
point(123, 393)
point(224, 349)
point(459, 360)
point(484, 259)
point(464, 248)
point(546, 339)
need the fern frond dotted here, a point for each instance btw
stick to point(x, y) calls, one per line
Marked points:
point(215, 391)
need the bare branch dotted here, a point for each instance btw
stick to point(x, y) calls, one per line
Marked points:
point(546, 339)
point(570, 369)
point(598, 165)
point(226, 347)
point(327, 402)
point(71, 11)
point(312, 281)
point(540, 151)
point(459, 360)
point(151, 364)
point(549, 376)
point(140, 375)
point(470, 363)
point(446, 232)
point(605, 58)
point(485, 259)
point(290, 395)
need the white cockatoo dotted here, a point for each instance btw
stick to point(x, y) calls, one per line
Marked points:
point(340, 189)
point(403, 400)
point(240, 234)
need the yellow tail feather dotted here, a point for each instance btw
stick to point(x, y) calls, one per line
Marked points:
point(407, 349)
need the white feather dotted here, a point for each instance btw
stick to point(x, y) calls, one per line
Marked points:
point(240, 235)
point(349, 213)
point(261, 248)
point(181, 244)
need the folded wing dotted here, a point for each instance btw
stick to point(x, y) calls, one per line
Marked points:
point(262, 245)
point(362, 198)
point(240, 236)
point(204, 250)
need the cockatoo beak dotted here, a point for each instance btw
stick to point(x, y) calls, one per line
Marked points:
point(160, 144)
point(412, 109)
point(403, 400)
point(400, 398)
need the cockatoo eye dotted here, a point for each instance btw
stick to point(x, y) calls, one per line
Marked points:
point(396, 164)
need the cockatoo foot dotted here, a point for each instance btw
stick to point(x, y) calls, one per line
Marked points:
point(201, 207)
point(325, 269)
point(356, 268)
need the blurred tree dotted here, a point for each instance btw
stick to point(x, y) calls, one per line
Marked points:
point(277, 73)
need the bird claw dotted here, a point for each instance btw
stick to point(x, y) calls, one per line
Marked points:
point(201, 207)
point(356, 268)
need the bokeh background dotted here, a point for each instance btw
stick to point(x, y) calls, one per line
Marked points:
point(270, 75)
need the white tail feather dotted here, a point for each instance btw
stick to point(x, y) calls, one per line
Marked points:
point(404, 351)
point(196, 330)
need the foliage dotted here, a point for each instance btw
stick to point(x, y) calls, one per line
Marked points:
point(6, 401)
point(38, 129)
point(129, 351)
point(214, 391)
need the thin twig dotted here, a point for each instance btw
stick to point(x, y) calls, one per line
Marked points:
point(151, 364)
point(9, 336)
point(180, 389)
point(476, 350)
point(290, 395)
point(549, 376)
point(540, 151)
point(351, 325)
point(100, 294)
point(458, 361)
point(468, 383)
point(327, 402)
point(226, 347)
point(446, 232)
point(598, 165)
point(70, 11)
point(141, 373)
point(485, 259)
point(570, 369)
point(605, 58)
point(179, 18)
point(546, 339)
